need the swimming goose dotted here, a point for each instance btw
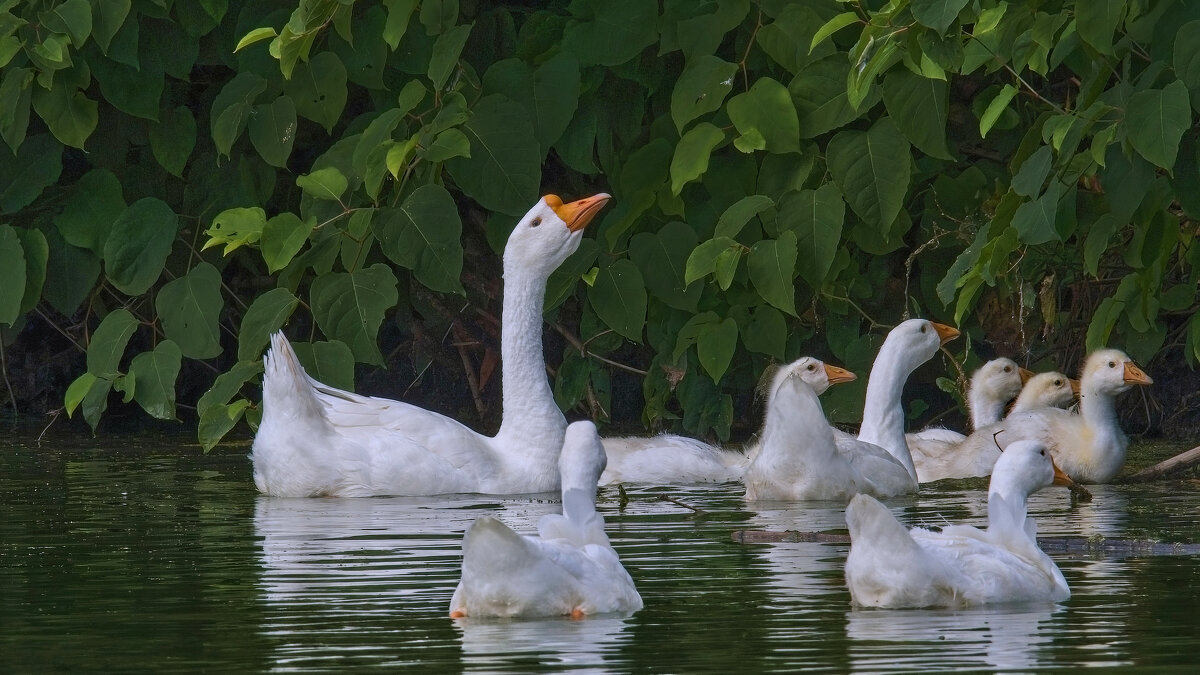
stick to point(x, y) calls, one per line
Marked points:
point(570, 569)
point(889, 566)
point(315, 440)
point(992, 386)
point(1089, 446)
point(668, 459)
point(907, 346)
point(799, 459)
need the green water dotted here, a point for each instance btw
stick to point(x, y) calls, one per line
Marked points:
point(125, 555)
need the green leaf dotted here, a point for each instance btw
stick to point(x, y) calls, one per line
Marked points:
point(703, 259)
point(692, 153)
point(90, 210)
point(137, 247)
point(503, 172)
point(329, 362)
point(1156, 120)
point(997, 106)
point(16, 90)
point(772, 264)
point(231, 109)
point(1028, 180)
point(958, 269)
point(838, 22)
point(715, 347)
point(190, 309)
point(610, 32)
point(107, 18)
point(235, 228)
point(425, 235)
point(918, 105)
point(765, 332)
point(327, 183)
point(734, 218)
point(256, 35)
point(1187, 59)
point(767, 109)
point(701, 89)
point(662, 257)
point(318, 88)
point(619, 299)
point(135, 91)
point(446, 50)
point(1096, 22)
point(815, 217)
point(1097, 242)
point(438, 15)
point(108, 343)
point(1035, 220)
point(398, 14)
point(266, 315)
point(821, 99)
point(12, 275)
point(37, 255)
point(555, 98)
point(449, 144)
point(71, 274)
point(350, 306)
point(173, 138)
point(937, 14)
point(217, 415)
point(70, 115)
point(282, 238)
point(77, 391)
point(154, 373)
point(73, 17)
point(872, 168)
point(273, 130)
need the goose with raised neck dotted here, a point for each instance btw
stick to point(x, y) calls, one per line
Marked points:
point(316, 440)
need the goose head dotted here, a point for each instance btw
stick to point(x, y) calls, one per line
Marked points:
point(1025, 467)
point(582, 459)
point(1000, 379)
point(1048, 390)
point(915, 341)
point(549, 233)
point(1110, 372)
point(814, 372)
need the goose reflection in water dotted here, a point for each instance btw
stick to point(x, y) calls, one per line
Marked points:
point(557, 643)
point(1000, 638)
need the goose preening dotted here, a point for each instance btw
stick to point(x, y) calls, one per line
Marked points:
point(668, 459)
point(570, 569)
point(1089, 445)
point(890, 566)
point(992, 386)
point(316, 440)
point(907, 346)
point(797, 456)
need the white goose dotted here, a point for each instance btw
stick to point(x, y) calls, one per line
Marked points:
point(992, 386)
point(668, 459)
point(798, 458)
point(571, 569)
point(1089, 446)
point(889, 566)
point(1050, 389)
point(316, 440)
point(907, 346)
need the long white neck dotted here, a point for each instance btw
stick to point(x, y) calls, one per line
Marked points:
point(883, 412)
point(795, 433)
point(985, 409)
point(1108, 442)
point(532, 420)
point(1006, 515)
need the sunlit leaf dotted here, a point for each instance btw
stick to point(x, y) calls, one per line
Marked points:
point(768, 110)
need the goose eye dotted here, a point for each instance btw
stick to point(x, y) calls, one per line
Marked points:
point(1058, 383)
point(924, 329)
point(811, 367)
point(1008, 369)
point(535, 222)
point(1042, 453)
point(1112, 364)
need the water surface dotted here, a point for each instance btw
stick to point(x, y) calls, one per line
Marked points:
point(144, 555)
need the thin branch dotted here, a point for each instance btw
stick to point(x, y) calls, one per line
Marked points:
point(12, 397)
point(575, 342)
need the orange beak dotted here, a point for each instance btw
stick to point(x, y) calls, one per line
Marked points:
point(1025, 374)
point(1075, 386)
point(1134, 375)
point(837, 375)
point(1060, 478)
point(577, 214)
point(946, 333)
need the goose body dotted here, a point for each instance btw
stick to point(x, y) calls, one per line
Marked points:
point(569, 569)
point(316, 440)
point(891, 566)
point(668, 459)
point(798, 458)
point(907, 346)
point(1089, 445)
